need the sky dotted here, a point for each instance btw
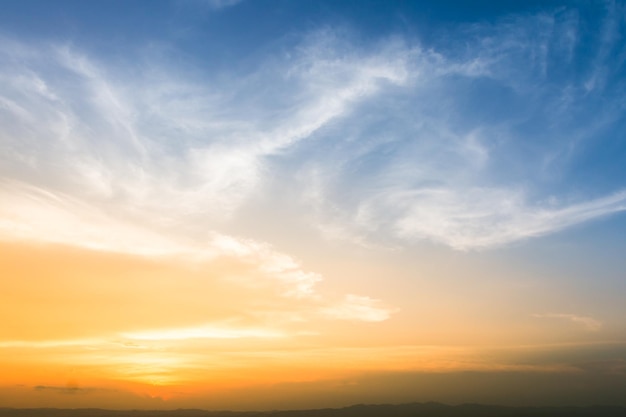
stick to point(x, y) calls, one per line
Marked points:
point(259, 204)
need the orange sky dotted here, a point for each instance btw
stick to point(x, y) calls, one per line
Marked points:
point(91, 328)
point(265, 204)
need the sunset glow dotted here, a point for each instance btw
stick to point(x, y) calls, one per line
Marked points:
point(300, 204)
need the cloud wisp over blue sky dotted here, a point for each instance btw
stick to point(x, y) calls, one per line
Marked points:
point(321, 166)
point(474, 141)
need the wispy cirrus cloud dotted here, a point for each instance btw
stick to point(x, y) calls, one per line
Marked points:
point(587, 323)
point(203, 332)
point(215, 4)
point(165, 145)
point(152, 165)
point(142, 172)
point(34, 215)
point(468, 147)
point(359, 308)
point(477, 218)
point(483, 146)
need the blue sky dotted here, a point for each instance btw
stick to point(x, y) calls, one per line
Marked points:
point(522, 107)
point(408, 165)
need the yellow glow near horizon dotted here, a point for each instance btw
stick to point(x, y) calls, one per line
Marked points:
point(204, 332)
point(149, 331)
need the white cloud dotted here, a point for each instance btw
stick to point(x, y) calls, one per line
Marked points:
point(377, 141)
point(359, 308)
point(204, 332)
point(162, 145)
point(478, 218)
point(461, 156)
point(152, 164)
point(31, 214)
point(47, 344)
point(220, 4)
point(280, 267)
point(587, 323)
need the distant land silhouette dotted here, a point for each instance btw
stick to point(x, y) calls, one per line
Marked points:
point(379, 410)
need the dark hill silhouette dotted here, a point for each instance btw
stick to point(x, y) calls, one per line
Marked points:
point(361, 410)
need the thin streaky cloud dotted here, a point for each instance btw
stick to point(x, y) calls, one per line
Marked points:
point(481, 218)
point(264, 204)
point(588, 323)
point(204, 332)
point(359, 308)
point(119, 141)
point(216, 4)
point(178, 154)
point(31, 214)
point(430, 172)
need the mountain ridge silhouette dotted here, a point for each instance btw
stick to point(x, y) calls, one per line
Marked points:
point(428, 409)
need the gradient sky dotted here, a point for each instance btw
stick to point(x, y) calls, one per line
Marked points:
point(285, 204)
